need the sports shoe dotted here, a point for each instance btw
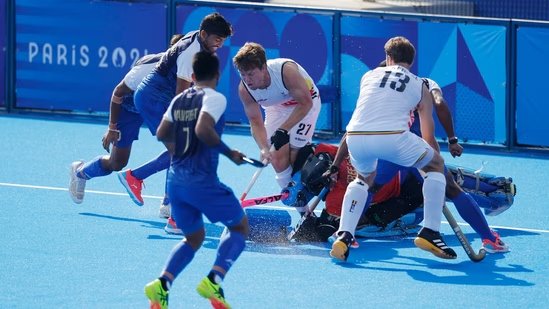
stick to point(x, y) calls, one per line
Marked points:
point(77, 186)
point(340, 247)
point(133, 186)
point(333, 238)
point(164, 211)
point(497, 246)
point(213, 292)
point(171, 227)
point(432, 241)
point(158, 297)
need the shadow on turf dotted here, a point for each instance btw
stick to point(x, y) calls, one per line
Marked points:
point(383, 250)
point(151, 224)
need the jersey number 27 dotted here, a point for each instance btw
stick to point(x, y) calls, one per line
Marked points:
point(401, 83)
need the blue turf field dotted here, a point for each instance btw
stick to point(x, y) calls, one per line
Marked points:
point(100, 254)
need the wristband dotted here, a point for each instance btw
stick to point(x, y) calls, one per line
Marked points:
point(222, 148)
point(116, 99)
point(112, 126)
point(452, 140)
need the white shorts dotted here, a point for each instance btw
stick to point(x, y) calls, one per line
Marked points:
point(302, 133)
point(405, 149)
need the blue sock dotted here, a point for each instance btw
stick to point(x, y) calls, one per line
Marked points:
point(228, 251)
point(93, 169)
point(469, 210)
point(155, 165)
point(182, 254)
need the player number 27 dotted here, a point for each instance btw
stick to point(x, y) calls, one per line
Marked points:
point(393, 85)
point(303, 127)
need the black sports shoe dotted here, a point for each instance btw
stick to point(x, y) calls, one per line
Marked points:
point(340, 247)
point(432, 241)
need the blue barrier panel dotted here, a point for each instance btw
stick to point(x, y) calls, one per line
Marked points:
point(467, 60)
point(305, 38)
point(71, 54)
point(531, 102)
point(362, 41)
point(2, 53)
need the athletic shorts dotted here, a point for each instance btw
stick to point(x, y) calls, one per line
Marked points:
point(302, 133)
point(152, 99)
point(129, 125)
point(405, 149)
point(215, 200)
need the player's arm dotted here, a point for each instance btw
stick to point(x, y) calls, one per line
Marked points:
point(112, 135)
point(118, 94)
point(165, 132)
point(205, 128)
point(253, 112)
point(300, 91)
point(443, 112)
point(182, 85)
point(341, 154)
point(184, 70)
point(445, 117)
point(425, 110)
point(342, 151)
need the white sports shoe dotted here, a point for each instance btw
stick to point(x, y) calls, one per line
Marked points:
point(165, 210)
point(77, 186)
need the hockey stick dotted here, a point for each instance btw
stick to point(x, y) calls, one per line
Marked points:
point(253, 162)
point(254, 178)
point(461, 237)
point(264, 199)
point(311, 209)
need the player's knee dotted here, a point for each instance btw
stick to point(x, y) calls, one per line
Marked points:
point(281, 160)
point(435, 165)
point(242, 227)
point(358, 185)
point(196, 239)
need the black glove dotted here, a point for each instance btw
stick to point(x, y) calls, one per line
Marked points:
point(280, 138)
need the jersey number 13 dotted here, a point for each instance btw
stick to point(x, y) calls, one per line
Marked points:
point(399, 85)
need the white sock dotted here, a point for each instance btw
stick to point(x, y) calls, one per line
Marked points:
point(353, 205)
point(434, 188)
point(284, 177)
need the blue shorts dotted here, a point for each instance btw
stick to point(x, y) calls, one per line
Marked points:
point(152, 100)
point(216, 201)
point(129, 125)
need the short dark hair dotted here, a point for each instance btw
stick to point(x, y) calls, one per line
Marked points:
point(401, 50)
point(205, 66)
point(216, 24)
point(250, 56)
point(175, 38)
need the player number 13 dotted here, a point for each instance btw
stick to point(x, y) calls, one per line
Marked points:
point(393, 85)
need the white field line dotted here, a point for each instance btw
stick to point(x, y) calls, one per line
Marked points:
point(265, 207)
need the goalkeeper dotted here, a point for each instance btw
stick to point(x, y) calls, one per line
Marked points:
point(396, 207)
